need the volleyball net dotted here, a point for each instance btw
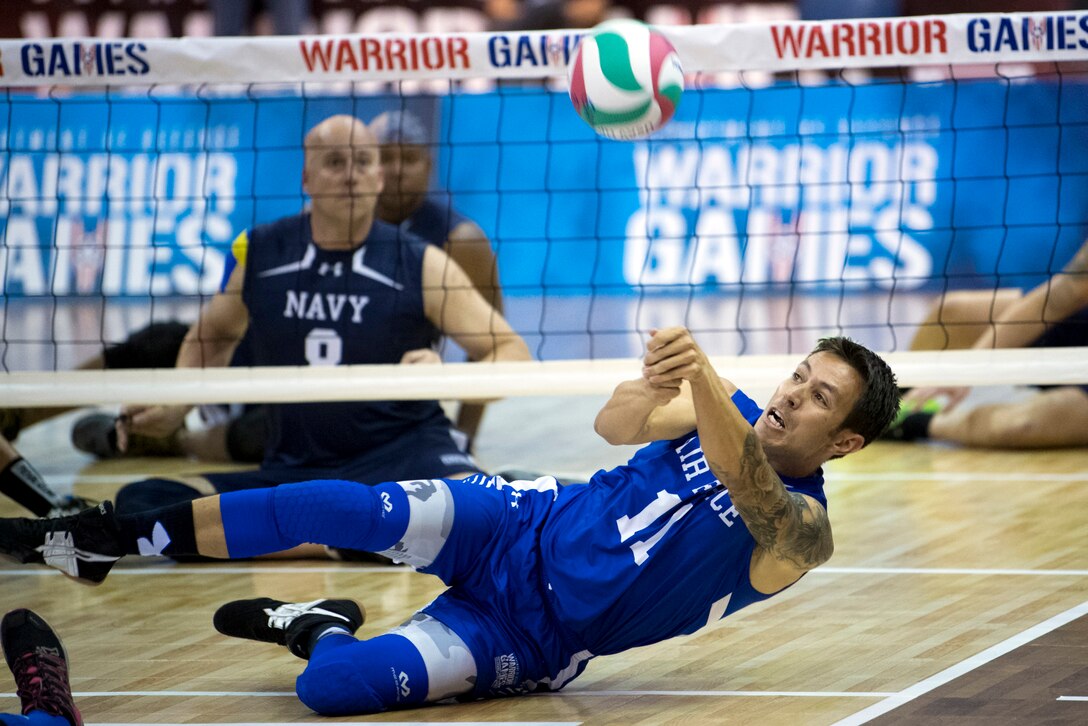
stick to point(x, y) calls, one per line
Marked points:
point(855, 177)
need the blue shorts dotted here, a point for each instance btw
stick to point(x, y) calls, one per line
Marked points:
point(429, 452)
point(498, 601)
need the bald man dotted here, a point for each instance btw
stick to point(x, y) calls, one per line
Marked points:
point(334, 285)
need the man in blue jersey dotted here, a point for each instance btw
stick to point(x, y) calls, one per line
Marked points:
point(723, 508)
point(408, 201)
point(334, 285)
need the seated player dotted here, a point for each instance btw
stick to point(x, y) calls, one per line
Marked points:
point(408, 202)
point(240, 436)
point(724, 508)
point(334, 285)
point(1054, 314)
point(40, 668)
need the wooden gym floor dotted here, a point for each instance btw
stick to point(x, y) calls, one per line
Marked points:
point(954, 594)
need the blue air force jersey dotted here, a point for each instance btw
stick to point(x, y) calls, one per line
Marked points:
point(433, 221)
point(675, 554)
point(310, 306)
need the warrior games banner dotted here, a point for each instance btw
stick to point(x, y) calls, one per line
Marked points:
point(917, 185)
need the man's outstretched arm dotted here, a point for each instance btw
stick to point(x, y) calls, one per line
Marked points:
point(790, 527)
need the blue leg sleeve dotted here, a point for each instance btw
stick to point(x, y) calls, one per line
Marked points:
point(346, 676)
point(334, 513)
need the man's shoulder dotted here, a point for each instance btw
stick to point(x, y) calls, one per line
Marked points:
point(436, 218)
point(293, 228)
point(384, 233)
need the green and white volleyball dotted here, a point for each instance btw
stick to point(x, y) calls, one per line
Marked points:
point(625, 79)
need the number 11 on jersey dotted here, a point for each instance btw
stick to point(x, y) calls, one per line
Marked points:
point(630, 526)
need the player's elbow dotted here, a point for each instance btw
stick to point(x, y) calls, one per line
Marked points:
point(516, 349)
point(607, 429)
point(819, 553)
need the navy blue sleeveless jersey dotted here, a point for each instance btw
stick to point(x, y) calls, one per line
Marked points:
point(434, 220)
point(673, 557)
point(310, 306)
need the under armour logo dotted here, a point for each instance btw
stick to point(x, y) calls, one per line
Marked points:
point(157, 543)
point(516, 496)
point(337, 269)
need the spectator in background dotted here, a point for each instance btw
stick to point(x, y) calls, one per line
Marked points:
point(408, 202)
point(547, 14)
point(235, 17)
point(835, 9)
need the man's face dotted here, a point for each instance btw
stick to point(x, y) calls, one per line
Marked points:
point(342, 174)
point(802, 421)
point(407, 169)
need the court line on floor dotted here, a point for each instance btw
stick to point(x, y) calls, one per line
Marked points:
point(965, 666)
point(213, 569)
point(568, 692)
point(1072, 698)
point(958, 476)
point(384, 723)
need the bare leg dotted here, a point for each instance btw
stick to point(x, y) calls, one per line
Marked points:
point(469, 417)
point(207, 445)
point(958, 319)
point(8, 453)
point(1049, 419)
point(211, 540)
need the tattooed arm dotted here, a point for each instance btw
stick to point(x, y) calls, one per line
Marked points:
point(791, 529)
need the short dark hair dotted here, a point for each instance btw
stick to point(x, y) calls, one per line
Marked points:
point(879, 400)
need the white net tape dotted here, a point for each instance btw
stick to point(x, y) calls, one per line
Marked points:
point(488, 380)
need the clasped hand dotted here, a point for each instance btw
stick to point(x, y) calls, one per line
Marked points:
point(672, 356)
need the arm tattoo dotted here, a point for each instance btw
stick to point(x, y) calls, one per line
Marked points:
point(782, 522)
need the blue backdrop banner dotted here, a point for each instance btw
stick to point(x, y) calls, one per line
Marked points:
point(919, 185)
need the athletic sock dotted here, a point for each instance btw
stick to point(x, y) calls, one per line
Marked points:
point(916, 426)
point(166, 531)
point(319, 633)
point(26, 487)
point(912, 427)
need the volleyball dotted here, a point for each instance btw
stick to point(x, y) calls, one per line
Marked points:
point(625, 79)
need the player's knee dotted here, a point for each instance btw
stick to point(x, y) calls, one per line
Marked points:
point(334, 691)
point(368, 676)
point(148, 494)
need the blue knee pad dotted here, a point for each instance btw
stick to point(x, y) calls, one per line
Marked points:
point(334, 513)
point(346, 676)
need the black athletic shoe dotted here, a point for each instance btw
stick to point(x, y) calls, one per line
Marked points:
point(38, 663)
point(285, 623)
point(96, 434)
point(83, 546)
point(72, 505)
